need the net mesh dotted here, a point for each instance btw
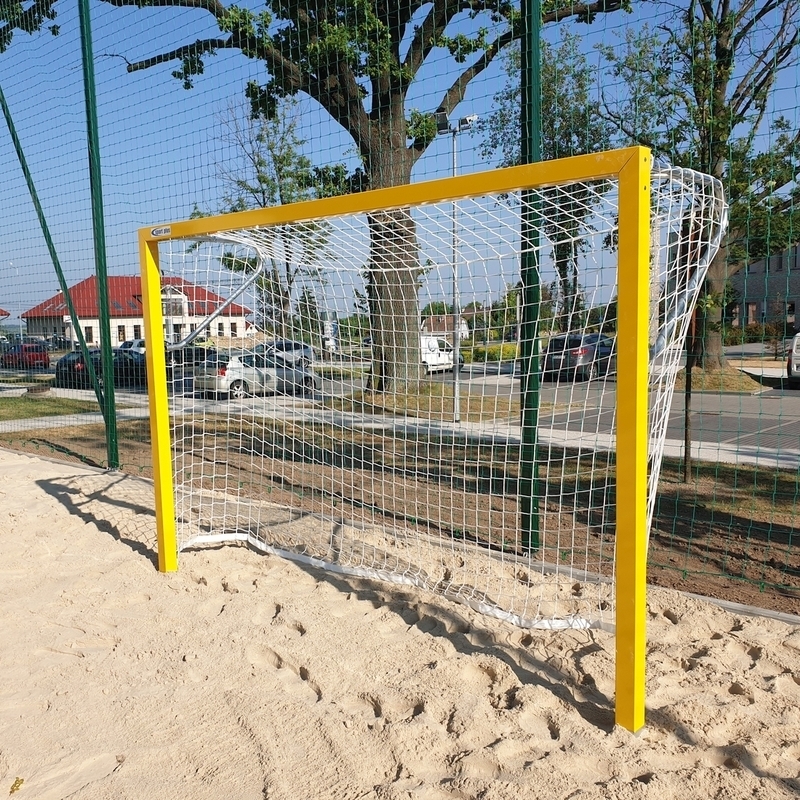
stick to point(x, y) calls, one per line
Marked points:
point(280, 440)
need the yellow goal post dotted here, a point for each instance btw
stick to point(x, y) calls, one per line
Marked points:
point(639, 235)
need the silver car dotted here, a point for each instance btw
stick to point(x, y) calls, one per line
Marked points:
point(288, 352)
point(580, 356)
point(238, 375)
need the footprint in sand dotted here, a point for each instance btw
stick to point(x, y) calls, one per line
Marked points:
point(296, 680)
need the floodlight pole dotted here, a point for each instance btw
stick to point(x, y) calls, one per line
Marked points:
point(456, 294)
point(443, 126)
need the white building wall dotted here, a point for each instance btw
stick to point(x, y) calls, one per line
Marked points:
point(133, 327)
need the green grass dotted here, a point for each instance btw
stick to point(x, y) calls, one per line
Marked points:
point(339, 372)
point(29, 407)
point(723, 380)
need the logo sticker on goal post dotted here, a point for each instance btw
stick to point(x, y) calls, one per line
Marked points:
point(166, 230)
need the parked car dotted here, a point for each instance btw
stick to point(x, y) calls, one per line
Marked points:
point(58, 343)
point(241, 374)
point(793, 363)
point(189, 356)
point(72, 372)
point(288, 351)
point(27, 356)
point(136, 345)
point(579, 356)
point(130, 369)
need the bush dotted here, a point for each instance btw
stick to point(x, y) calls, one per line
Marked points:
point(733, 336)
point(492, 352)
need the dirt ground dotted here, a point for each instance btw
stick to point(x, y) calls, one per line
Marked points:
point(729, 539)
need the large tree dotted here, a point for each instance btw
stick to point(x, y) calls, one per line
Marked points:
point(358, 59)
point(698, 90)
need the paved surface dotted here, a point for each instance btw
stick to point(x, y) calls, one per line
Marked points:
point(762, 428)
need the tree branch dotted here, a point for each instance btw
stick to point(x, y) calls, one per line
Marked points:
point(195, 48)
point(634, 136)
point(427, 34)
point(754, 20)
point(455, 94)
point(763, 71)
point(213, 7)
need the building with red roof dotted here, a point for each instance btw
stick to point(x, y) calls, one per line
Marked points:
point(185, 305)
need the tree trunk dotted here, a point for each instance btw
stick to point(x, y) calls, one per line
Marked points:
point(394, 267)
point(710, 355)
point(393, 303)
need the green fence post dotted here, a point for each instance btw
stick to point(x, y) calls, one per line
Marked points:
point(99, 235)
point(530, 122)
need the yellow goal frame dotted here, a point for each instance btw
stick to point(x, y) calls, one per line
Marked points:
point(631, 167)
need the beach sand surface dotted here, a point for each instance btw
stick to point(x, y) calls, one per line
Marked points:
point(247, 676)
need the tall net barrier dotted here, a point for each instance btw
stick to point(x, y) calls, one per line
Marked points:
point(188, 96)
point(283, 438)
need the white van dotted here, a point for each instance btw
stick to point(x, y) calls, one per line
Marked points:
point(437, 354)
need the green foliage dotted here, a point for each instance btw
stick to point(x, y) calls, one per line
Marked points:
point(571, 124)
point(421, 128)
point(492, 352)
point(28, 17)
point(437, 308)
point(309, 322)
point(570, 119)
point(756, 333)
point(687, 102)
point(268, 168)
point(354, 328)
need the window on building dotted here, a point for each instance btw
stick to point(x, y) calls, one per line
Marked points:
point(751, 313)
point(790, 314)
point(233, 329)
point(177, 330)
point(88, 334)
point(120, 333)
point(220, 329)
point(137, 331)
point(192, 327)
point(172, 307)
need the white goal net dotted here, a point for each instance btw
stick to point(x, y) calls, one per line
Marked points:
point(347, 391)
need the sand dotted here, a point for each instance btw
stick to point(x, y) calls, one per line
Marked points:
point(247, 676)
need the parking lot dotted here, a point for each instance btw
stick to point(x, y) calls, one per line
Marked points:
point(757, 428)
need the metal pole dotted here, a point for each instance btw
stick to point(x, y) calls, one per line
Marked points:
point(456, 296)
point(107, 355)
point(530, 122)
